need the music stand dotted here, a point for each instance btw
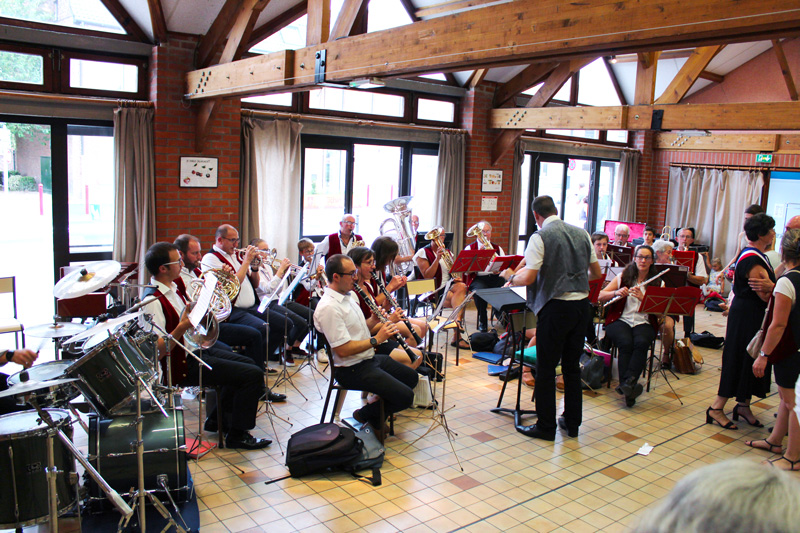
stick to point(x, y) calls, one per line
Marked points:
point(676, 277)
point(505, 300)
point(472, 261)
point(668, 301)
point(502, 262)
point(687, 259)
point(621, 255)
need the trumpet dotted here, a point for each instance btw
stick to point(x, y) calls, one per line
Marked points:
point(262, 257)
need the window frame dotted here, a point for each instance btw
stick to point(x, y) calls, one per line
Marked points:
point(47, 68)
point(408, 148)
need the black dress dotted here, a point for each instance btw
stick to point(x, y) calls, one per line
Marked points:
point(744, 318)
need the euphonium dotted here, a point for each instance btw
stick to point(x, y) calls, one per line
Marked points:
point(476, 231)
point(226, 290)
point(437, 235)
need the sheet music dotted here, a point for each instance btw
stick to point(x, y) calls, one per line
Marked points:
point(521, 291)
point(204, 300)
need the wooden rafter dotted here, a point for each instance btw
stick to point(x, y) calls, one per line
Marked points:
point(645, 88)
point(750, 116)
point(476, 78)
point(542, 30)
point(213, 41)
point(710, 76)
point(554, 81)
point(346, 19)
point(688, 74)
point(450, 7)
point(128, 24)
point(160, 32)
point(523, 81)
point(319, 22)
point(615, 81)
point(278, 23)
point(785, 70)
point(235, 45)
point(665, 54)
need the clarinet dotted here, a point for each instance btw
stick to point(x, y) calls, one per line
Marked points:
point(393, 303)
point(377, 312)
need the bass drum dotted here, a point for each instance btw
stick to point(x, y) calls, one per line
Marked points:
point(111, 453)
point(23, 460)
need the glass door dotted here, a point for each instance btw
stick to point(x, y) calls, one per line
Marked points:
point(324, 190)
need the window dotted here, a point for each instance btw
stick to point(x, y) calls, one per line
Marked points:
point(86, 14)
point(583, 134)
point(103, 75)
point(339, 176)
point(581, 187)
point(279, 99)
point(357, 101)
point(25, 68)
point(436, 110)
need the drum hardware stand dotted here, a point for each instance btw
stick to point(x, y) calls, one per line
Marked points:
point(438, 416)
point(51, 472)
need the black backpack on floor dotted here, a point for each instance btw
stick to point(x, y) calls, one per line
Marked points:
point(320, 447)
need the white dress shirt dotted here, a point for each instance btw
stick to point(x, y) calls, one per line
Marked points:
point(338, 316)
point(247, 296)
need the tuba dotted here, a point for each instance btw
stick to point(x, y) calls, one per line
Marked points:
point(437, 235)
point(401, 232)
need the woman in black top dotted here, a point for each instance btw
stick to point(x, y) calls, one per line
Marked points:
point(745, 317)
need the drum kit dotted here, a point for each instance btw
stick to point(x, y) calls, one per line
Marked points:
point(118, 365)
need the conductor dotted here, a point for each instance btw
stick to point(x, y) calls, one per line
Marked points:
point(559, 261)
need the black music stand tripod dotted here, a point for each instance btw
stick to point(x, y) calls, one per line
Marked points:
point(515, 307)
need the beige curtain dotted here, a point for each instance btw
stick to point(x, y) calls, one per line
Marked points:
point(134, 167)
point(712, 201)
point(448, 195)
point(516, 198)
point(270, 189)
point(625, 187)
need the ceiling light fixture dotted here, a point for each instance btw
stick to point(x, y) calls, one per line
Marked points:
point(613, 60)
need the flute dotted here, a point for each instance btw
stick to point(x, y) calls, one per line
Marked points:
point(377, 312)
point(377, 277)
point(640, 285)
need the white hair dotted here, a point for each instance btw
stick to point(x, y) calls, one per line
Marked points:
point(732, 496)
point(623, 227)
point(661, 246)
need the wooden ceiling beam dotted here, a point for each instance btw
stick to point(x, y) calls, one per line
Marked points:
point(748, 116)
point(450, 7)
point(278, 23)
point(346, 19)
point(645, 89)
point(532, 75)
point(710, 76)
point(128, 24)
point(785, 70)
point(665, 54)
point(213, 41)
point(476, 78)
point(688, 74)
point(523, 32)
point(554, 81)
point(160, 32)
point(615, 81)
point(319, 22)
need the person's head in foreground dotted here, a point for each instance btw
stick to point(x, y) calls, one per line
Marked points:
point(736, 496)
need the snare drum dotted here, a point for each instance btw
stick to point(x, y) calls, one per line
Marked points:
point(46, 372)
point(107, 374)
point(111, 453)
point(23, 460)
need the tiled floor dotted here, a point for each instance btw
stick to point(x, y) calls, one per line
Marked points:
point(509, 482)
point(596, 482)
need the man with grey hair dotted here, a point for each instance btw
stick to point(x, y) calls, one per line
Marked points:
point(735, 496)
point(559, 261)
point(621, 235)
point(341, 242)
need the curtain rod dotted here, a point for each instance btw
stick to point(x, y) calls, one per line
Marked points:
point(731, 167)
point(350, 122)
point(65, 99)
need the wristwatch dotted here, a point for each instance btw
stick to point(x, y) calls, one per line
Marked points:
point(762, 354)
point(511, 279)
point(373, 341)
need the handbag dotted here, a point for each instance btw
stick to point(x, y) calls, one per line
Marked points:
point(683, 359)
point(755, 344)
point(786, 345)
point(592, 369)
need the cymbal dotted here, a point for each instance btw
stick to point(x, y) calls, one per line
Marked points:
point(86, 279)
point(108, 325)
point(55, 329)
point(32, 386)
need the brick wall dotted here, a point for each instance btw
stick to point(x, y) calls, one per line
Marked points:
point(190, 210)
point(476, 107)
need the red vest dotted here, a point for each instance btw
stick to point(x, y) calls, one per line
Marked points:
point(372, 289)
point(335, 245)
point(177, 355)
point(430, 256)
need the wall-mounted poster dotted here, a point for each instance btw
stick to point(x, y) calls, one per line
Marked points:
point(198, 172)
point(492, 181)
point(488, 203)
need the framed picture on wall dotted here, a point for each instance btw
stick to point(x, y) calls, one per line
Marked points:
point(492, 181)
point(198, 172)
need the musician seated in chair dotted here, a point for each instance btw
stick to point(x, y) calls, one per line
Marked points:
point(386, 250)
point(309, 291)
point(25, 358)
point(242, 381)
point(483, 280)
point(366, 291)
point(631, 332)
point(698, 275)
point(343, 241)
point(432, 265)
point(357, 366)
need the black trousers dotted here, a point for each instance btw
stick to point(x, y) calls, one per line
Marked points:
point(560, 330)
point(492, 281)
point(248, 338)
point(242, 385)
point(382, 375)
point(632, 346)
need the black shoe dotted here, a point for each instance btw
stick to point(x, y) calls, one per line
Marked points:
point(571, 432)
point(629, 401)
point(536, 433)
point(211, 425)
point(276, 397)
point(246, 442)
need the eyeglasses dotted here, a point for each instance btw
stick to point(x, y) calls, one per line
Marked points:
point(352, 273)
point(233, 240)
point(178, 262)
point(621, 234)
point(348, 223)
point(643, 257)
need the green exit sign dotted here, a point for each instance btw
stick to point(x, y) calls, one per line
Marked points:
point(763, 158)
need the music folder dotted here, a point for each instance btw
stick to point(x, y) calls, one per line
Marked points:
point(676, 277)
point(687, 259)
point(670, 301)
point(621, 255)
point(502, 262)
point(472, 261)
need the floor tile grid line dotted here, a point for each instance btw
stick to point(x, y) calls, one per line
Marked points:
point(560, 487)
